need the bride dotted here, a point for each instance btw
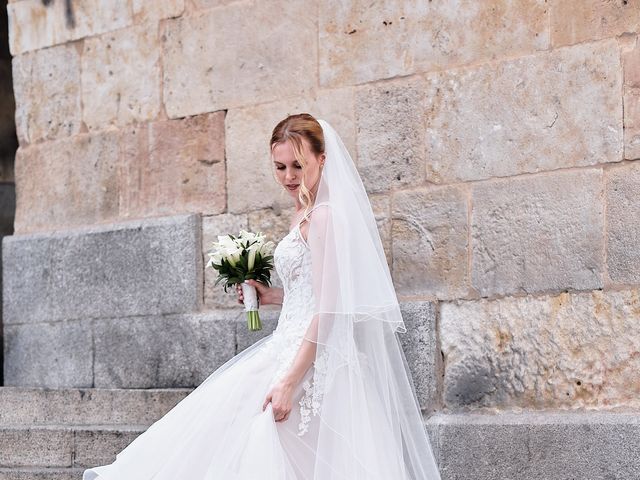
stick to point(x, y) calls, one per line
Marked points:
point(326, 396)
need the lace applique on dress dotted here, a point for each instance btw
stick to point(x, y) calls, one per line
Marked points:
point(312, 397)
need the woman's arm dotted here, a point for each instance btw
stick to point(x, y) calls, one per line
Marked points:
point(305, 356)
point(280, 396)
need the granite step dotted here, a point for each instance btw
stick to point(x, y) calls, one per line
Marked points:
point(86, 406)
point(39, 473)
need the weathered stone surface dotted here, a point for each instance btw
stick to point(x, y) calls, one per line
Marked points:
point(421, 350)
point(631, 64)
point(212, 227)
point(40, 473)
point(143, 267)
point(100, 445)
point(623, 223)
point(218, 59)
point(552, 110)
point(360, 44)
point(68, 182)
point(538, 233)
point(48, 354)
point(161, 352)
point(430, 242)
point(36, 447)
point(564, 351)
point(32, 25)
point(631, 123)
point(251, 176)
point(145, 11)
point(381, 206)
point(203, 4)
point(47, 92)
point(81, 406)
point(575, 21)
point(391, 122)
point(544, 445)
point(174, 166)
point(121, 77)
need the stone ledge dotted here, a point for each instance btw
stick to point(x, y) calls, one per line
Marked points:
point(141, 267)
point(537, 445)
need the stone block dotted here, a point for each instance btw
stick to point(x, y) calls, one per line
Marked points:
point(359, 44)
point(40, 473)
point(34, 25)
point(251, 176)
point(381, 206)
point(36, 447)
point(145, 12)
point(539, 112)
point(100, 445)
point(631, 64)
point(48, 354)
point(212, 227)
point(121, 77)
point(538, 233)
point(575, 21)
point(90, 406)
point(631, 123)
point(623, 223)
point(143, 267)
point(571, 350)
point(422, 352)
point(430, 242)
point(67, 183)
point(391, 122)
point(217, 59)
point(47, 91)
point(174, 166)
point(161, 351)
point(537, 445)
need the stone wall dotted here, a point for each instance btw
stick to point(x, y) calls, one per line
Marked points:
point(500, 138)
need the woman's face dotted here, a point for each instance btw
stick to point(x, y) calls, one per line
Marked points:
point(289, 171)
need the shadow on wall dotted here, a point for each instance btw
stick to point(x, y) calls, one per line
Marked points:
point(8, 147)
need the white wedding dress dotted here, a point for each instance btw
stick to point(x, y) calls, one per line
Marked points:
point(219, 431)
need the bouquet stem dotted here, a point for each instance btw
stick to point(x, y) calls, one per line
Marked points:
point(251, 307)
point(253, 321)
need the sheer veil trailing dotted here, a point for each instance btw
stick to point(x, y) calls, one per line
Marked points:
point(370, 425)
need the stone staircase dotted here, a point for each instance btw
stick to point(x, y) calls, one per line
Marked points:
point(57, 433)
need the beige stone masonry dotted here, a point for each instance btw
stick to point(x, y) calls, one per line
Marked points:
point(570, 350)
point(121, 77)
point(33, 25)
point(361, 42)
point(539, 112)
point(174, 166)
point(47, 93)
point(575, 21)
point(217, 59)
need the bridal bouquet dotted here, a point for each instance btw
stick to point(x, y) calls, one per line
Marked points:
point(240, 258)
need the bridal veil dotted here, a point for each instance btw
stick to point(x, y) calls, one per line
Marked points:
point(370, 424)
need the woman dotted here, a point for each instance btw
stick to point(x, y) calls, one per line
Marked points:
point(328, 394)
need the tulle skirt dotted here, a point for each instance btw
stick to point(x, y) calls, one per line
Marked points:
point(220, 432)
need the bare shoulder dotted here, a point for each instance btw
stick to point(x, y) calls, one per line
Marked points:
point(319, 215)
